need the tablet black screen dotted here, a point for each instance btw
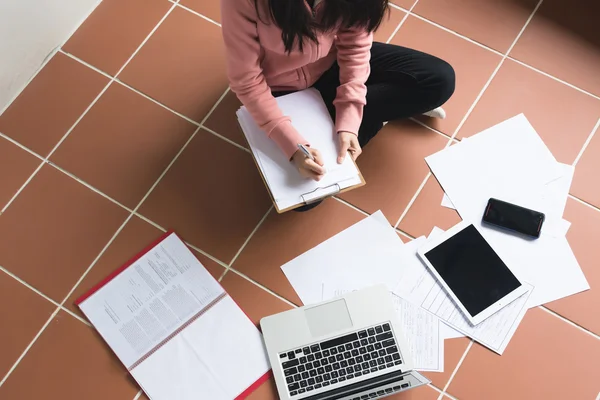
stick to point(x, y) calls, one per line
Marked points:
point(473, 270)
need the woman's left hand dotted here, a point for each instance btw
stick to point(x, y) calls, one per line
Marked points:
point(348, 144)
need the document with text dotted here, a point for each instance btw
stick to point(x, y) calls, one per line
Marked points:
point(175, 328)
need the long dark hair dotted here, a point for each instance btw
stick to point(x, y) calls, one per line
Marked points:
point(297, 23)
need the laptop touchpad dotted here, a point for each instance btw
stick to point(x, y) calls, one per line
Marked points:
point(328, 318)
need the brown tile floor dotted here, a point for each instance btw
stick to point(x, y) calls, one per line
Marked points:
point(122, 133)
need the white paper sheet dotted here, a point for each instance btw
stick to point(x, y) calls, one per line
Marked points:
point(448, 332)
point(420, 330)
point(504, 161)
point(363, 255)
point(509, 161)
point(174, 327)
point(310, 117)
point(205, 358)
point(446, 202)
point(421, 288)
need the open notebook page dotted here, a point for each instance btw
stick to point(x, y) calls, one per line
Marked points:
point(310, 117)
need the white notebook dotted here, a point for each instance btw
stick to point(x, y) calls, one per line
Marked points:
point(310, 117)
point(175, 328)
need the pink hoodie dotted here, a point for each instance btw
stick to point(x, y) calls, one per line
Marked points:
point(257, 64)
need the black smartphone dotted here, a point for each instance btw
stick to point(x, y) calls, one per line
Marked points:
point(514, 218)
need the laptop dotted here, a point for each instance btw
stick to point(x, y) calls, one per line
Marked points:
point(347, 348)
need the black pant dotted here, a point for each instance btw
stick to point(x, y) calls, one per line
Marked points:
point(403, 83)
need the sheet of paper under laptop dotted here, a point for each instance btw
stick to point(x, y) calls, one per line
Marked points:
point(310, 117)
point(175, 328)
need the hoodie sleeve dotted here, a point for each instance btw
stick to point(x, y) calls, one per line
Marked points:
point(353, 56)
point(246, 78)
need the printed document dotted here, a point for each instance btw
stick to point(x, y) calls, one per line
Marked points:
point(175, 328)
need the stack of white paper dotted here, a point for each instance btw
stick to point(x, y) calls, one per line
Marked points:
point(510, 162)
point(310, 117)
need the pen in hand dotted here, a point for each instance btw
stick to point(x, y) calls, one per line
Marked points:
point(304, 150)
point(309, 162)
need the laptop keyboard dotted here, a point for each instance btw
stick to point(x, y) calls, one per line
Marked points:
point(339, 360)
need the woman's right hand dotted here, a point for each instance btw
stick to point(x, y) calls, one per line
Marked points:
point(307, 167)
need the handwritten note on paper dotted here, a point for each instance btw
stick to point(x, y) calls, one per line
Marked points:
point(420, 330)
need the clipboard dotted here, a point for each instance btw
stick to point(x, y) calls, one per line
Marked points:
point(314, 196)
point(222, 297)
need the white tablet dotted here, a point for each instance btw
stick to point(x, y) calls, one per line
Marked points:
point(471, 271)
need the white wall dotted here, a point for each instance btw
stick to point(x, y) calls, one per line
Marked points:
point(30, 31)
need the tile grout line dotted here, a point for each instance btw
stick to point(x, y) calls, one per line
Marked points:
point(132, 213)
point(437, 389)
point(29, 346)
point(483, 46)
point(568, 321)
point(135, 210)
point(462, 358)
point(126, 220)
point(111, 240)
point(49, 57)
point(112, 80)
point(231, 142)
point(46, 159)
point(235, 257)
point(204, 17)
point(414, 198)
point(45, 297)
point(22, 187)
point(205, 254)
point(405, 234)
point(90, 187)
point(22, 147)
point(553, 77)
point(449, 396)
point(117, 80)
point(587, 142)
point(494, 51)
point(214, 107)
point(424, 125)
point(408, 12)
point(585, 203)
point(266, 289)
point(491, 78)
point(180, 115)
point(352, 206)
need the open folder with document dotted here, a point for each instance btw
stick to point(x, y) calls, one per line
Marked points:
point(175, 328)
point(287, 187)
